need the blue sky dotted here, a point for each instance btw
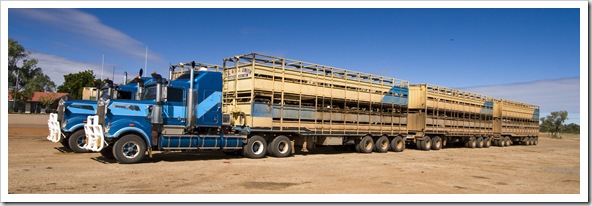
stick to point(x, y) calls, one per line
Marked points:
point(503, 53)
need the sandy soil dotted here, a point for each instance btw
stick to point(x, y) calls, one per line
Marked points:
point(38, 166)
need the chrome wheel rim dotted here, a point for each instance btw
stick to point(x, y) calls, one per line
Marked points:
point(131, 149)
point(283, 147)
point(257, 147)
point(81, 141)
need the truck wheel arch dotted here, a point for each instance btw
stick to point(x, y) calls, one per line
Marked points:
point(128, 132)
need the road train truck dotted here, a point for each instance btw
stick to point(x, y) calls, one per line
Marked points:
point(66, 126)
point(262, 105)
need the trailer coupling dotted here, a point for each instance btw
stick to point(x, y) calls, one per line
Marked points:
point(95, 138)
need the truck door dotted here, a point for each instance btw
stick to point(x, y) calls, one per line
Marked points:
point(174, 108)
point(208, 110)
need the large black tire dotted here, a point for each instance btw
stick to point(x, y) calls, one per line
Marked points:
point(436, 143)
point(381, 145)
point(65, 143)
point(426, 143)
point(77, 140)
point(508, 142)
point(107, 152)
point(256, 147)
point(129, 149)
point(397, 144)
point(269, 149)
point(479, 142)
point(486, 142)
point(471, 143)
point(366, 145)
point(536, 141)
point(444, 141)
point(531, 141)
point(281, 146)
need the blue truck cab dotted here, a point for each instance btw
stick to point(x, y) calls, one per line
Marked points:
point(67, 125)
point(185, 114)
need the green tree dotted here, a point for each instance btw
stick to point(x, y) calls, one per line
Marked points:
point(16, 53)
point(571, 128)
point(27, 72)
point(553, 123)
point(26, 79)
point(73, 83)
point(41, 83)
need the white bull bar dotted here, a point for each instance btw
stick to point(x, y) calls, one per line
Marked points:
point(55, 133)
point(95, 138)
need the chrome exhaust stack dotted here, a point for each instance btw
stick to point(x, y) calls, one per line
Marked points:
point(171, 73)
point(124, 77)
point(110, 87)
point(190, 97)
point(157, 109)
point(140, 85)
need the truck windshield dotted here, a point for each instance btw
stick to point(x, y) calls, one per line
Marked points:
point(124, 95)
point(150, 93)
point(187, 75)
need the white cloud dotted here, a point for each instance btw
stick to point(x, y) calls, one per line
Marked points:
point(56, 67)
point(89, 26)
point(550, 95)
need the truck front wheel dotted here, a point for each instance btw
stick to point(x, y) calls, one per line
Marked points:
point(77, 140)
point(129, 149)
point(256, 147)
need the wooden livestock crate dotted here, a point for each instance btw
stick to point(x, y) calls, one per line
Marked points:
point(515, 119)
point(435, 110)
point(274, 93)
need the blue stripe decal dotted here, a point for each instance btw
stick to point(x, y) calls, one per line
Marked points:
point(128, 110)
point(81, 111)
point(208, 103)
